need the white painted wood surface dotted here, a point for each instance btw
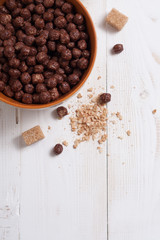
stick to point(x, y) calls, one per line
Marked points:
point(65, 197)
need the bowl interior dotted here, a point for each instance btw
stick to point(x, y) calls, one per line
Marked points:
point(93, 48)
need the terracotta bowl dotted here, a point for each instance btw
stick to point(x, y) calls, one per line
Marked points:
point(93, 47)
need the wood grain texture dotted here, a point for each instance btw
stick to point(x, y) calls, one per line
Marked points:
point(134, 161)
point(62, 197)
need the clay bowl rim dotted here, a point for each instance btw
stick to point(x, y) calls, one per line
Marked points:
point(93, 42)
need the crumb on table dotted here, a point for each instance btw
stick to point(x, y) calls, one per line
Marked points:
point(79, 95)
point(116, 19)
point(119, 116)
point(33, 135)
point(154, 111)
point(128, 133)
point(89, 89)
point(49, 127)
point(65, 143)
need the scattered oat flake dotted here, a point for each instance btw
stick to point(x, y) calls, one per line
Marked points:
point(119, 137)
point(90, 95)
point(119, 116)
point(128, 133)
point(99, 77)
point(69, 106)
point(89, 89)
point(112, 87)
point(65, 143)
point(49, 127)
point(154, 111)
point(79, 95)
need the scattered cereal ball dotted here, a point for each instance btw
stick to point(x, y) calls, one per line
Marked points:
point(60, 22)
point(118, 48)
point(82, 63)
point(73, 79)
point(66, 54)
point(25, 78)
point(40, 87)
point(62, 111)
point(44, 97)
point(58, 149)
point(75, 35)
point(67, 8)
point(54, 94)
point(2, 86)
point(27, 98)
point(8, 92)
point(64, 87)
point(105, 98)
point(16, 86)
point(48, 3)
point(78, 19)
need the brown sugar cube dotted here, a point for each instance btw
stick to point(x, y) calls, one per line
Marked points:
point(116, 19)
point(33, 135)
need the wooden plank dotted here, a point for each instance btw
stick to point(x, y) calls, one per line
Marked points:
point(134, 161)
point(9, 174)
point(64, 197)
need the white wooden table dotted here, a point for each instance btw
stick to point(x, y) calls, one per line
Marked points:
point(82, 194)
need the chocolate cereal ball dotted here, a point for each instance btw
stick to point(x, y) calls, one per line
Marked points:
point(73, 79)
point(51, 82)
point(39, 23)
point(38, 68)
point(40, 87)
point(59, 3)
point(31, 61)
point(9, 51)
point(16, 86)
point(82, 44)
point(82, 63)
point(25, 13)
point(25, 78)
point(41, 57)
point(44, 97)
point(23, 67)
point(66, 54)
point(39, 9)
point(11, 4)
point(58, 12)
point(2, 86)
point(48, 3)
point(35, 98)
point(60, 22)
point(27, 98)
point(8, 91)
point(54, 94)
point(78, 19)
point(29, 40)
point(48, 16)
point(67, 7)
point(29, 88)
point(18, 95)
point(69, 17)
point(5, 18)
point(51, 46)
point(54, 34)
point(76, 53)
point(6, 34)
point(53, 65)
point(75, 35)
point(71, 26)
point(18, 22)
point(14, 73)
point(59, 78)
point(64, 87)
point(14, 62)
point(37, 78)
